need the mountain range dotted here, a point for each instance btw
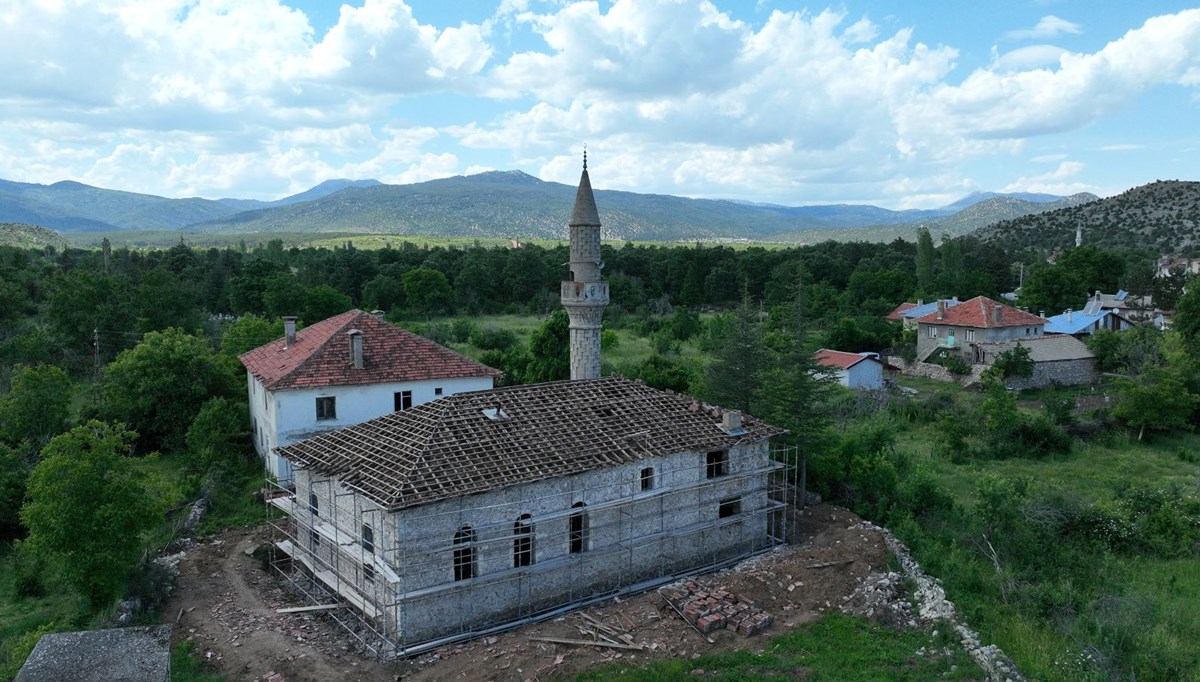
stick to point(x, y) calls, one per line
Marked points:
point(491, 204)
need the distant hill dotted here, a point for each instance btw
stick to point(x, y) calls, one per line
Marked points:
point(493, 204)
point(322, 190)
point(1163, 217)
point(990, 208)
point(29, 236)
point(75, 207)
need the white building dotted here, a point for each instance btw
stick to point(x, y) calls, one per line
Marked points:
point(853, 370)
point(343, 371)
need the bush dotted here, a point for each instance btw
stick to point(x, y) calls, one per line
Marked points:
point(462, 329)
point(493, 339)
point(956, 365)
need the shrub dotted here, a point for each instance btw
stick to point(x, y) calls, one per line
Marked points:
point(956, 365)
point(493, 339)
point(462, 329)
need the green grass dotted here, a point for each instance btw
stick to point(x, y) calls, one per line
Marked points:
point(186, 667)
point(836, 647)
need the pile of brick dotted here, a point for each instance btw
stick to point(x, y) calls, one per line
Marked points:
point(709, 609)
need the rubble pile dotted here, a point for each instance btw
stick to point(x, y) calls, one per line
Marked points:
point(880, 597)
point(932, 605)
point(712, 609)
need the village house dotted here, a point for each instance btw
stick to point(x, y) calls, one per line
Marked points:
point(853, 370)
point(959, 330)
point(1134, 308)
point(1088, 321)
point(1058, 359)
point(908, 313)
point(345, 370)
point(482, 510)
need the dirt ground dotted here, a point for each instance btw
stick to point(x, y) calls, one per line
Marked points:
point(226, 604)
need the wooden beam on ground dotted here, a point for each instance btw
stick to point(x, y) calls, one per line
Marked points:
point(307, 609)
point(585, 642)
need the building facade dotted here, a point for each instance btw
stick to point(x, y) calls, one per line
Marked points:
point(961, 329)
point(342, 371)
point(482, 509)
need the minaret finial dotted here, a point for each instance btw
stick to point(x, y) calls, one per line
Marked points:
point(585, 155)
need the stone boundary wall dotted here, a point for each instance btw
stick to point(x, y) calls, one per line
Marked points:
point(935, 372)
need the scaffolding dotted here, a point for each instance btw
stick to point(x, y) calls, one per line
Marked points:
point(405, 582)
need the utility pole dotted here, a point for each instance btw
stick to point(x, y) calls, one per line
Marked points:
point(96, 351)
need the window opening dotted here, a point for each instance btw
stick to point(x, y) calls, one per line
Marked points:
point(648, 478)
point(464, 553)
point(523, 541)
point(731, 506)
point(402, 400)
point(578, 524)
point(326, 408)
point(368, 538)
point(368, 573)
point(717, 463)
point(314, 505)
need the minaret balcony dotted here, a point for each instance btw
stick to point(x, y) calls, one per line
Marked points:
point(584, 293)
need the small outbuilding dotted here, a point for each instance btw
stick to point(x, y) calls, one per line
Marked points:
point(853, 370)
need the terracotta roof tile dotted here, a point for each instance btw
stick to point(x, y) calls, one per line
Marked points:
point(484, 440)
point(895, 314)
point(977, 313)
point(839, 359)
point(320, 356)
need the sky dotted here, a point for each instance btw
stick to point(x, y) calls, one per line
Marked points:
point(894, 103)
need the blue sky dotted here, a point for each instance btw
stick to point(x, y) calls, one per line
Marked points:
point(898, 104)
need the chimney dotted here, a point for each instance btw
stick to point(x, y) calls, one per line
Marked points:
point(941, 309)
point(356, 348)
point(920, 302)
point(1042, 313)
point(378, 314)
point(1068, 312)
point(731, 420)
point(954, 298)
point(997, 314)
point(289, 331)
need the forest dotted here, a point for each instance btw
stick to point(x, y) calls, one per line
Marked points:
point(1067, 533)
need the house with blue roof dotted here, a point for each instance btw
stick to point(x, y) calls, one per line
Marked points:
point(909, 313)
point(1088, 321)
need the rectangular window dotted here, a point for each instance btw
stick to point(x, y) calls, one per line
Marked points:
point(437, 391)
point(648, 478)
point(326, 408)
point(932, 332)
point(314, 505)
point(970, 335)
point(731, 506)
point(402, 400)
point(523, 542)
point(314, 539)
point(368, 538)
point(368, 573)
point(716, 463)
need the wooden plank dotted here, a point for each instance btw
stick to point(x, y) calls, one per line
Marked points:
point(306, 609)
point(585, 642)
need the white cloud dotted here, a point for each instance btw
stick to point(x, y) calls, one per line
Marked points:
point(1122, 147)
point(1029, 57)
point(1059, 181)
point(1048, 26)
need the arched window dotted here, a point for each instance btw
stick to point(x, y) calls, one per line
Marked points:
point(523, 541)
point(579, 529)
point(464, 553)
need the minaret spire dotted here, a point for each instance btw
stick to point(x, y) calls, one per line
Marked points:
point(585, 294)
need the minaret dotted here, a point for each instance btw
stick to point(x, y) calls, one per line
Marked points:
point(1078, 236)
point(584, 294)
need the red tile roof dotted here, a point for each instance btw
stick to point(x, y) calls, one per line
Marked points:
point(839, 359)
point(320, 356)
point(895, 314)
point(977, 313)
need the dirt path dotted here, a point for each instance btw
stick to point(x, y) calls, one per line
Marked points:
point(229, 604)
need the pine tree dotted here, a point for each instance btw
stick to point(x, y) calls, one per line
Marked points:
point(734, 377)
point(925, 256)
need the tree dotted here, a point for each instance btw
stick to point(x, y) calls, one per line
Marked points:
point(284, 295)
point(796, 389)
point(219, 431)
point(1162, 396)
point(925, 256)
point(1053, 289)
point(158, 386)
point(36, 406)
point(323, 301)
point(664, 372)
point(550, 350)
point(1014, 362)
point(249, 332)
point(87, 508)
point(734, 377)
point(427, 290)
point(13, 475)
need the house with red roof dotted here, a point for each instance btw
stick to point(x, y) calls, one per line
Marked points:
point(961, 329)
point(853, 370)
point(342, 371)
